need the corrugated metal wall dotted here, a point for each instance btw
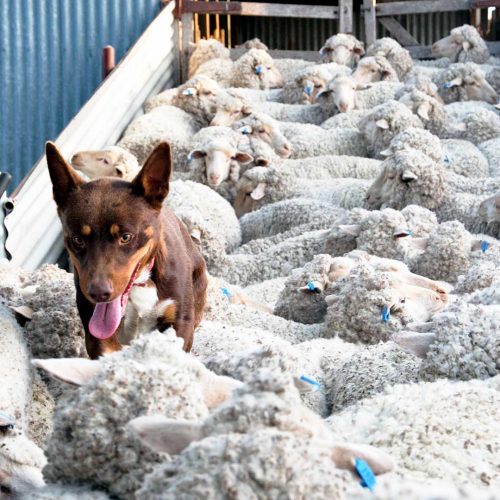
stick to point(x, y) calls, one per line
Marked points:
point(50, 63)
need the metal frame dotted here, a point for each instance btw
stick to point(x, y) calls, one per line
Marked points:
point(186, 10)
point(383, 13)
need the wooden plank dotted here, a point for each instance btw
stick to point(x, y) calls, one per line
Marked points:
point(187, 36)
point(262, 9)
point(421, 7)
point(308, 55)
point(494, 48)
point(424, 51)
point(345, 16)
point(370, 21)
point(399, 33)
point(483, 4)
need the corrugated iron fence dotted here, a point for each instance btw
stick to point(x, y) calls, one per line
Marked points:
point(50, 63)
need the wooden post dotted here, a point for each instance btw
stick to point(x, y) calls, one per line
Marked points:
point(187, 36)
point(345, 16)
point(108, 60)
point(370, 21)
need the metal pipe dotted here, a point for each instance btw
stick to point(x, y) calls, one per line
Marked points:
point(108, 60)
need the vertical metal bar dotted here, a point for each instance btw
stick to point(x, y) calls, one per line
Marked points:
point(207, 24)
point(370, 21)
point(108, 60)
point(228, 29)
point(345, 16)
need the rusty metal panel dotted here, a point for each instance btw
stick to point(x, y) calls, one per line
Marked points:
point(50, 64)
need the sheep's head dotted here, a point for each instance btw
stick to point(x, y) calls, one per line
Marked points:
point(374, 69)
point(312, 81)
point(416, 138)
point(252, 188)
point(471, 83)
point(199, 93)
point(408, 177)
point(425, 107)
point(263, 127)
point(342, 49)
point(227, 108)
point(110, 162)
point(255, 43)
point(399, 57)
point(260, 68)
point(463, 44)
point(489, 210)
point(218, 154)
point(339, 94)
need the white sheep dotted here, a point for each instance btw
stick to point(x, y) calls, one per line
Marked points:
point(203, 51)
point(374, 69)
point(342, 49)
point(397, 56)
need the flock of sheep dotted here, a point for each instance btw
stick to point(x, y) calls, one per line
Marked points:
point(349, 214)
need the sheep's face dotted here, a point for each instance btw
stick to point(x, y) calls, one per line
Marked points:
point(111, 162)
point(342, 49)
point(263, 68)
point(250, 195)
point(388, 188)
point(370, 70)
point(262, 127)
point(457, 43)
point(344, 94)
point(198, 93)
point(489, 210)
point(312, 86)
point(475, 87)
point(227, 112)
point(219, 162)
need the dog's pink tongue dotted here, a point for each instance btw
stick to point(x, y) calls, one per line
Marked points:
point(106, 319)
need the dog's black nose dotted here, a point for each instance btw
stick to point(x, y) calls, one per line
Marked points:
point(100, 291)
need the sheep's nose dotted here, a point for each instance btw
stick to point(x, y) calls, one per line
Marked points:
point(100, 291)
point(343, 106)
point(286, 149)
point(214, 179)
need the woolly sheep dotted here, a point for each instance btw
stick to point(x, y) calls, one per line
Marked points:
point(455, 345)
point(383, 123)
point(375, 69)
point(411, 177)
point(344, 94)
point(257, 95)
point(342, 49)
point(464, 158)
point(310, 81)
point(447, 414)
point(463, 44)
point(422, 83)
point(299, 113)
point(164, 123)
point(491, 150)
point(111, 161)
point(464, 82)
point(205, 50)
point(65, 492)
point(276, 421)
point(254, 69)
point(479, 126)
point(260, 185)
point(398, 57)
point(386, 301)
point(254, 43)
point(151, 376)
point(289, 67)
point(489, 212)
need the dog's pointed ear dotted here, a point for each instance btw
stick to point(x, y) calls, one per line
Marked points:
point(64, 178)
point(152, 181)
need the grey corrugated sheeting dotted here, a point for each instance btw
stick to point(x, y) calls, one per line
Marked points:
point(34, 231)
point(50, 64)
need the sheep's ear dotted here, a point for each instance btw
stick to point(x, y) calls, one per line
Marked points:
point(330, 299)
point(196, 235)
point(401, 232)
point(324, 50)
point(475, 246)
point(246, 110)
point(164, 434)
point(423, 110)
point(217, 388)
point(350, 229)
point(64, 178)
point(243, 158)
point(408, 176)
point(312, 286)
point(416, 343)
point(196, 154)
point(382, 123)
point(75, 371)
point(363, 86)
point(152, 182)
point(419, 243)
point(323, 94)
point(261, 161)
point(344, 456)
point(386, 152)
point(465, 45)
point(259, 192)
point(456, 82)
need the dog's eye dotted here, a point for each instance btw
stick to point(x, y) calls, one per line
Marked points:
point(126, 238)
point(78, 241)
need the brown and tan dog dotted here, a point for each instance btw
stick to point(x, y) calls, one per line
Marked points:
point(116, 231)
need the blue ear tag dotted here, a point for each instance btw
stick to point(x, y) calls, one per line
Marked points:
point(409, 232)
point(8, 421)
point(259, 69)
point(311, 286)
point(190, 157)
point(246, 130)
point(364, 471)
point(225, 292)
point(447, 85)
point(308, 89)
point(189, 91)
point(484, 246)
point(446, 159)
point(386, 314)
point(311, 381)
